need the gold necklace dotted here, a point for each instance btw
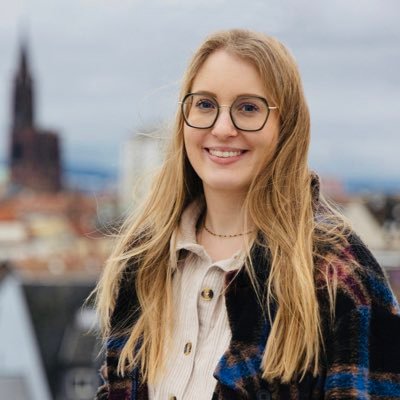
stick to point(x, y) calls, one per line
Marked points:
point(226, 236)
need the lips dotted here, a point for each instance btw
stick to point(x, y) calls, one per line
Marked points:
point(225, 152)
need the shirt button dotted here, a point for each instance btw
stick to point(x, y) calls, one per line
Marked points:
point(172, 398)
point(188, 348)
point(207, 294)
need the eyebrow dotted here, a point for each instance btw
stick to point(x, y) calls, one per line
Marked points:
point(212, 94)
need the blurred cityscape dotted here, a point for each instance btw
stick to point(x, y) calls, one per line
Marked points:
point(56, 228)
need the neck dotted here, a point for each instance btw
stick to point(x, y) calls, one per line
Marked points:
point(225, 214)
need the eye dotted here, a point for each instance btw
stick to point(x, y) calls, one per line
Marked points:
point(247, 108)
point(205, 104)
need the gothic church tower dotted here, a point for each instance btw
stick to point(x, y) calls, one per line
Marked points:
point(23, 93)
point(34, 156)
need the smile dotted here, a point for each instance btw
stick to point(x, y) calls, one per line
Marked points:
point(225, 154)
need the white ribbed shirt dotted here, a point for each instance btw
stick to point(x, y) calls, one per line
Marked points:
point(201, 332)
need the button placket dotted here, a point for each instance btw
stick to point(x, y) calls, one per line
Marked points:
point(196, 309)
point(189, 344)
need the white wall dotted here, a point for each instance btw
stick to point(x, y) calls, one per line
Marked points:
point(19, 352)
point(140, 158)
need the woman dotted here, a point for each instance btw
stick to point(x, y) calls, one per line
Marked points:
point(236, 280)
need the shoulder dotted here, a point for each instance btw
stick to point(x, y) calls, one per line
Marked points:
point(372, 274)
point(361, 342)
point(126, 310)
point(126, 304)
point(359, 279)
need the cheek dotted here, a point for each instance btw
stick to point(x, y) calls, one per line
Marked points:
point(187, 142)
point(190, 148)
point(192, 141)
point(270, 139)
point(267, 148)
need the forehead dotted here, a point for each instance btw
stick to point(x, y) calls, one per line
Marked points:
point(228, 76)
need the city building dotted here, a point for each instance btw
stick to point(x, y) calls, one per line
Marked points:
point(141, 156)
point(22, 373)
point(56, 234)
point(34, 153)
point(49, 347)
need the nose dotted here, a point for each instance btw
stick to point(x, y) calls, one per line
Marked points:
point(223, 127)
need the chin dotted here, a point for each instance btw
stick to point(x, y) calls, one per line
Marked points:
point(226, 186)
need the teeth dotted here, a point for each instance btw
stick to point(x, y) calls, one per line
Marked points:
point(224, 154)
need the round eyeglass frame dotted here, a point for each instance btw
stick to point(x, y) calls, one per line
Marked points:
point(269, 108)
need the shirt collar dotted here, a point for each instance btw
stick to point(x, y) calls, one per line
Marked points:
point(186, 231)
point(184, 238)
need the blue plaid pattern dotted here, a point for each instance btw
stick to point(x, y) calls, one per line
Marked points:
point(362, 358)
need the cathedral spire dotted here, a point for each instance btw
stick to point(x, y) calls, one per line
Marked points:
point(23, 58)
point(23, 104)
point(34, 153)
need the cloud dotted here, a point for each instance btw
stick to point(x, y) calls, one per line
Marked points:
point(105, 67)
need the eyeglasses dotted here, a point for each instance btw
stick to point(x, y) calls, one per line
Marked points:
point(248, 113)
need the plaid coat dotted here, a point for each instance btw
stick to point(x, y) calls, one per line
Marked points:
point(362, 358)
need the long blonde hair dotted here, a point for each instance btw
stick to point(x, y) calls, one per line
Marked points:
point(279, 203)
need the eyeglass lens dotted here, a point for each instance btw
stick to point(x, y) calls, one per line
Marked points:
point(247, 112)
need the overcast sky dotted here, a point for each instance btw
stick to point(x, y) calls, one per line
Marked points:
point(105, 68)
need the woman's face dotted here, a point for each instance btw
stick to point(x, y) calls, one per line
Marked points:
point(224, 157)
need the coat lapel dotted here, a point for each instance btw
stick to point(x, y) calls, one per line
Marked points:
point(239, 367)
